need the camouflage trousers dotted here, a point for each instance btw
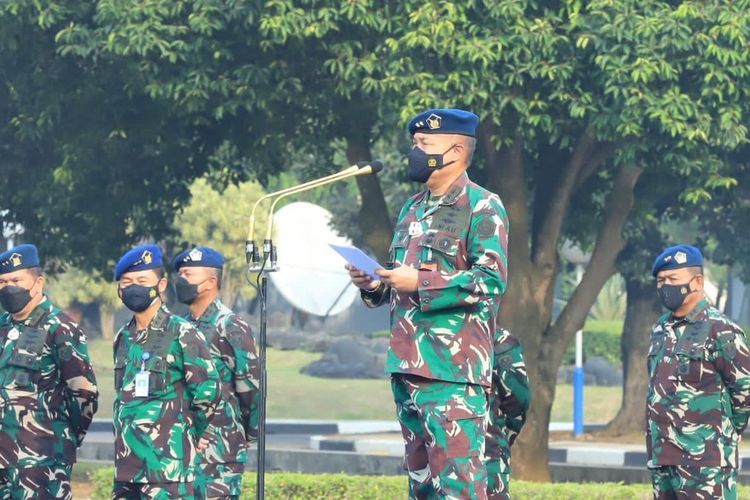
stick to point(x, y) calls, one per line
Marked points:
point(497, 452)
point(35, 482)
point(152, 491)
point(443, 425)
point(687, 482)
point(498, 478)
point(219, 480)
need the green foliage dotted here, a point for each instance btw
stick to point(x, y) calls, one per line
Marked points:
point(611, 303)
point(600, 338)
point(76, 286)
point(220, 220)
point(349, 487)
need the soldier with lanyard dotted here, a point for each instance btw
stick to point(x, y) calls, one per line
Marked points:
point(167, 388)
point(232, 347)
point(510, 398)
point(48, 393)
point(698, 399)
point(450, 252)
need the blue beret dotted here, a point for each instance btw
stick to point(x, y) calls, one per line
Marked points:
point(199, 257)
point(445, 121)
point(677, 257)
point(140, 258)
point(20, 257)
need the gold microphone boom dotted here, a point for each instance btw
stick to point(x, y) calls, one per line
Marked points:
point(314, 184)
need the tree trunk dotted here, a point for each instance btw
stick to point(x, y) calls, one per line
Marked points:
point(374, 218)
point(643, 310)
point(107, 319)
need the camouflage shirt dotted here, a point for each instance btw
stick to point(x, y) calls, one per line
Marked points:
point(233, 351)
point(156, 435)
point(698, 399)
point(510, 395)
point(459, 245)
point(48, 393)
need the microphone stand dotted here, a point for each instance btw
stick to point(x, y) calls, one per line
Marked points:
point(268, 266)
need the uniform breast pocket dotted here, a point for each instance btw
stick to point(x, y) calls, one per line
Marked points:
point(26, 370)
point(157, 381)
point(398, 246)
point(691, 365)
point(439, 251)
point(120, 365)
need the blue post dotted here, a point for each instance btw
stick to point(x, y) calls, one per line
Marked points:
point(578, 378)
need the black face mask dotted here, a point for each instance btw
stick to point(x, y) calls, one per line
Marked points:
point(138, 298)
point(14, 298)
point(673, 296)
point(422, 164)
point(186, 291)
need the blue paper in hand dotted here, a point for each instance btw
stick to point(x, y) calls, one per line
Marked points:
point(358, 259)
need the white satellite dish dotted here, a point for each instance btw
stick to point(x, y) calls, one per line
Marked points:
point(311, 275)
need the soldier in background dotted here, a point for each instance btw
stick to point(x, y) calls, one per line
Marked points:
point(698, 399)
point(450, 252)
point(232, 347)
point(510, 398)
point(48, 391)
point(167, 388)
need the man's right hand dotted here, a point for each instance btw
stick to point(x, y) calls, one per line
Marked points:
point(361, 279)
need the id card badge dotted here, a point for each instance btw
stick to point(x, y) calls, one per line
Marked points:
point(141, 384)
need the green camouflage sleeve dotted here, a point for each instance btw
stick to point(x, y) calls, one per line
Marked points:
point(201, 379)
point(733, 364)
point(72, 357)
point(238, 352)
point(487, 259)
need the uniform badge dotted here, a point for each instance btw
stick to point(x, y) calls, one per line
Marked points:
point(195, 255)
point(434, 121)
point(16, 259)
point(680, 257)
point(147, 257)
point(13, 334)
point(432, 162)
point(415, 229)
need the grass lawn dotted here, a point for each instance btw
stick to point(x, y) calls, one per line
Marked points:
point(294, 395)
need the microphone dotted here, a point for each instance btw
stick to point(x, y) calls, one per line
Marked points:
point(251, 253)
point(367, 169)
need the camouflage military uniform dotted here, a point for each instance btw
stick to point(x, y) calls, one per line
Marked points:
point(156, 436)
point(509, 401)
point(698, 404)
point(441, 341)
point(48, 397)
point(236, 360)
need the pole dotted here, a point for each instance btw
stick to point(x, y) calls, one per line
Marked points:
point(578, 378)
point(578, 374)
point(261, 473)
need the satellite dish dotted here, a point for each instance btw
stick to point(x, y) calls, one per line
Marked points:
point(311, 275)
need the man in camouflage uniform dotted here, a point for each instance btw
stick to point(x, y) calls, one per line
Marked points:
point(449, 247)
point(167, 388)
point(233, 349)
point(48, 393)
point(510, 398)
point(698, 399)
